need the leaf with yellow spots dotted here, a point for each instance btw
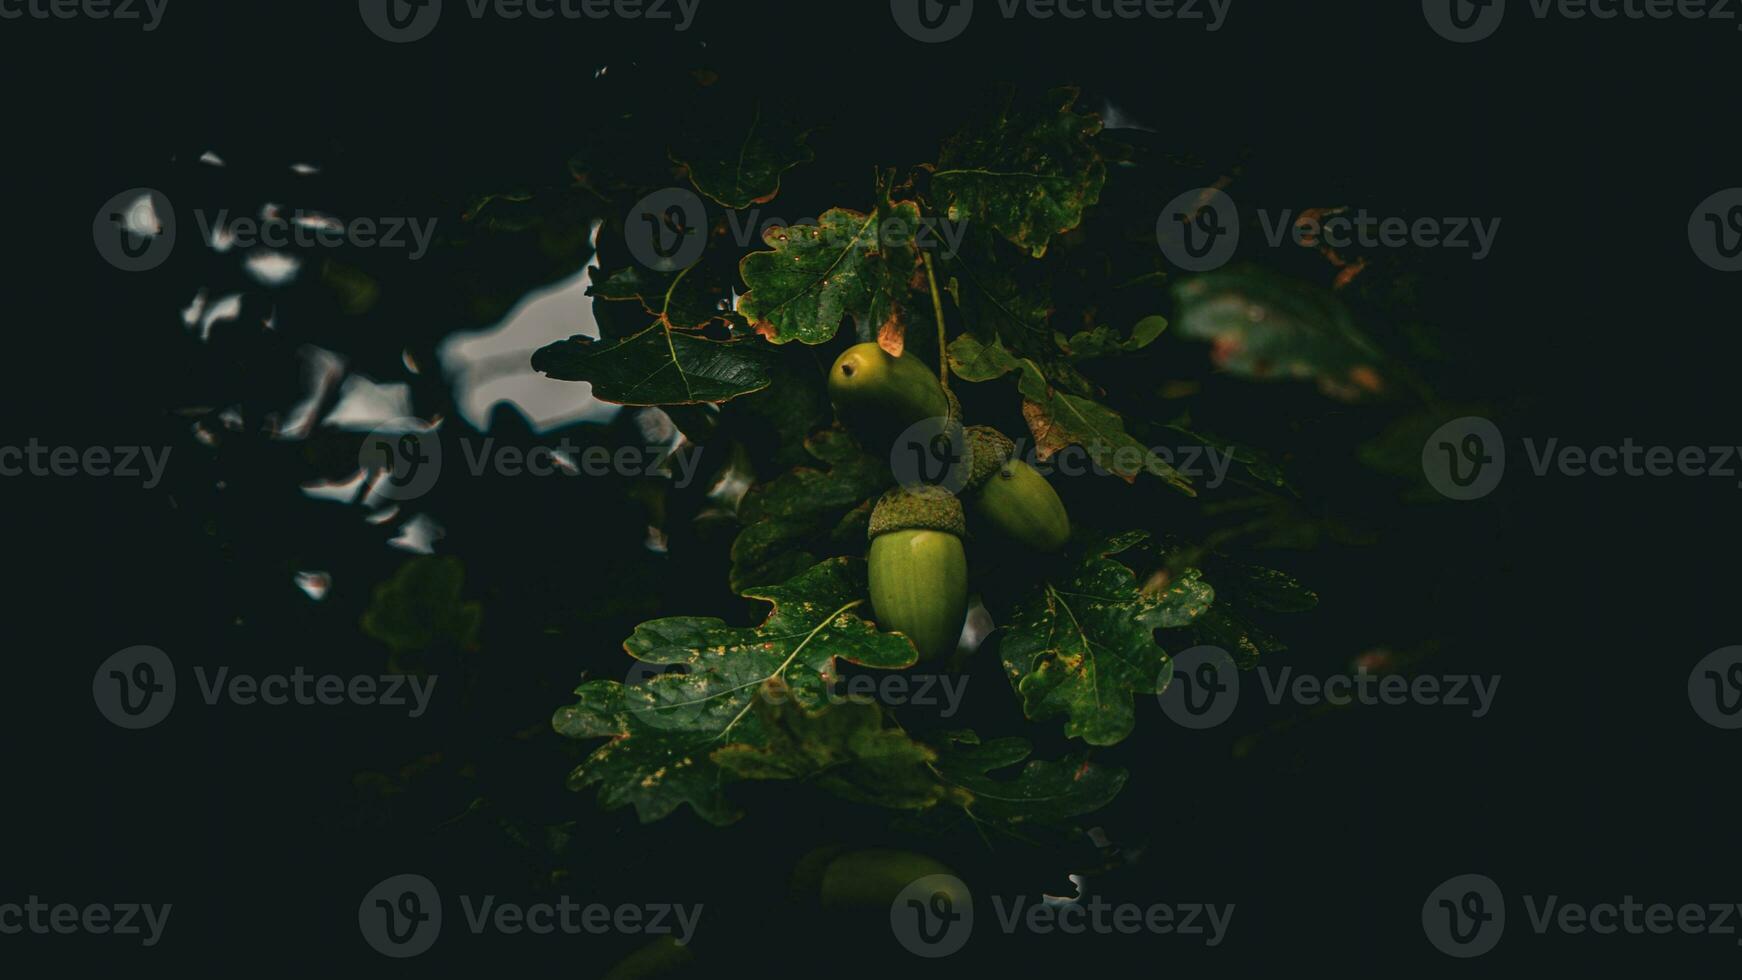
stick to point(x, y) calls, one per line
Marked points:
point(1084, 647)
point(1029, 172)
point(843, 264)
point(695, 690)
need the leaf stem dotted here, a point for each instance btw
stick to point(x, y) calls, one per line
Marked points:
point(937, 305)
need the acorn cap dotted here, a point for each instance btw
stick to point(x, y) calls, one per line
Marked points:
point(955, 407)
point(988, 451)
point(925, 508)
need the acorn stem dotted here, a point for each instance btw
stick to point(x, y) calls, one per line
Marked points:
point(937, 306)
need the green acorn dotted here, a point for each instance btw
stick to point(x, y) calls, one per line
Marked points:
point(1010, 497)
point(873, 879)
point(918, 570)
point(879, 396)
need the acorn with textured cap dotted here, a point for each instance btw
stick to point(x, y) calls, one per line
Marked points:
point(1009, 497)
point(880, 395)
point(918, 568)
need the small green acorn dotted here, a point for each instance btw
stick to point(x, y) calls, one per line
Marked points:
point(879, 395)
point(918, 569)
point(874, 879)
point(1008, 496)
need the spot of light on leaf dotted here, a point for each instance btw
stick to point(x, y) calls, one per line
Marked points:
point(1056, 900)
point(365, 404)
point(314, 584)
point(211, 159)
point(494, 365)
point(224, 310)
point(272, 268)
point(419, 536)
point(141, 217)
point(340, 491)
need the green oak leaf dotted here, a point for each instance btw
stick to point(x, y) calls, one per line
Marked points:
point(1266, 326)
point(420, 606)
point(742, 170)
point(1058, 419)
point(1026, 173)
point(683, 300)
point(1085, 647)
point(663, 733)
point(845, 749)
point(1039, 791)
point(995, 303)
point(658, 366)
point(807, 509)
point(1245, 641)
point(972, 360)
point(845, 264)
point(1104, 341)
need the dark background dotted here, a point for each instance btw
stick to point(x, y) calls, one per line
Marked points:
point(1592, 598)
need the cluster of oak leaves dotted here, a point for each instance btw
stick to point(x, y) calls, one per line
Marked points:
point(722, 703)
